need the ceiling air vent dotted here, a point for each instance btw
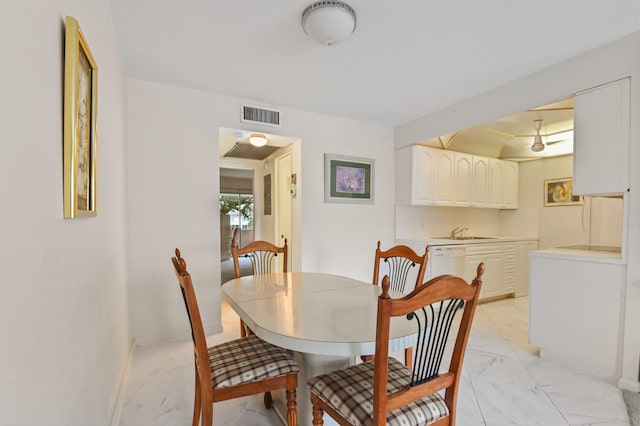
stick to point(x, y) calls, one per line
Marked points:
point(258, 115)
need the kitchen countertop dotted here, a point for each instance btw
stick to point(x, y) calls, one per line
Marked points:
point(448, 241)
point(582, 253)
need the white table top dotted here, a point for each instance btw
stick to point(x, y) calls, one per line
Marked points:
point(314, 313)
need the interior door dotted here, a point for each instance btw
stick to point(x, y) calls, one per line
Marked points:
point(283, 196)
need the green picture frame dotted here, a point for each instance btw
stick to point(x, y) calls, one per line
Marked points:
point(348, 179)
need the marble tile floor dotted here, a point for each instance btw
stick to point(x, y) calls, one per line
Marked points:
point(504, 382)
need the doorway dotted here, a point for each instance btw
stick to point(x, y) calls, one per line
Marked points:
point(285, 190)
point(272, 167)
point(236, 208)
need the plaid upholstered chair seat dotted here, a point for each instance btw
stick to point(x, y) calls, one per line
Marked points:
point(248, 360)
point(350, 392)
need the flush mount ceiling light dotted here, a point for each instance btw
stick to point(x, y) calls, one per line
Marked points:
point(537, 145)
point(257, 139)
point(329, 22)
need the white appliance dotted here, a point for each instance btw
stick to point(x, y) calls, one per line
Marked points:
point(446, 260)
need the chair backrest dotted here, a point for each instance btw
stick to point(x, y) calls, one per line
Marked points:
point(193, 312)
point(433, 308)
point(262, 255)
point(400, 261)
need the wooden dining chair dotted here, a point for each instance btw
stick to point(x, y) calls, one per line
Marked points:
point(386, 392)
point(263, 255)
point(241, 367)
point(400, 262)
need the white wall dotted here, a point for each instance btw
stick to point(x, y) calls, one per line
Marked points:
point(555, 226)
point(608, 63)
point(173, 192)
point(65, 338)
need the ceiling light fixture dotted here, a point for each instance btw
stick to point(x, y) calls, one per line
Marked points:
point(257, 139)
point(537, 145)
point(329, 22)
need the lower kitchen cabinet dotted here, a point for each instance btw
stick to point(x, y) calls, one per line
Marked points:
point(521, 287)
point(575, 307)
point(492, 280)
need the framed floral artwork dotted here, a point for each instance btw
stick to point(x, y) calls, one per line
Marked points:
point(348, 179)
point(558, 192)
point(80, 115)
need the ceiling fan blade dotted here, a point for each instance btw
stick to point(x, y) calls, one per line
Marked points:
point(554, 142)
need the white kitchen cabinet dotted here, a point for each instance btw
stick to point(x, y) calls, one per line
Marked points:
point(509, 266)
point(414, 177)
point(437, 177)
point(463, 179)
point(601, 139)
point(510, 185)
point(521, 285)
point(480, 192)
point(496, 182)
point(574, 310)
point(493, 278)
point(445, 183)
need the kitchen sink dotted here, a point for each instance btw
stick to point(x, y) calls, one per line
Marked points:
point(466, 238)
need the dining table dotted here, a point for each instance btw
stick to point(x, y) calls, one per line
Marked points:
point(327, 320)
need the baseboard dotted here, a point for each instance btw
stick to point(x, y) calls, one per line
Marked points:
point(122, 389)
point(629, 385)
point(172, 337)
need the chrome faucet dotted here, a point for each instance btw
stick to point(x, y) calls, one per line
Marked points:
point(456, 231)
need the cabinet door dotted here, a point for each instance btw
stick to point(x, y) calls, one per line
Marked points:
point(509, 266)
point(480, 191)
point(510, 188)
point(601, 139)
point(423, 167)
point(463, 181)
point(445, 177)
point(493, 278)
point(521, 287)
point(496, 182)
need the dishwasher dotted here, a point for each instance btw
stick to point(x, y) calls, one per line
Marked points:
point(448, 259)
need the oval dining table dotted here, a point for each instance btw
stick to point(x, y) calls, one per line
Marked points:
point(327, 320)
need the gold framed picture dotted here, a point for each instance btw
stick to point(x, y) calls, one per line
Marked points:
point(559, 192)
point(80, 115)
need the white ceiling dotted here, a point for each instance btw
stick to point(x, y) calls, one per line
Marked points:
point(405, 60)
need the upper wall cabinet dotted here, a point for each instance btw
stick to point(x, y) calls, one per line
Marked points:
point(601, 141)
point(510, 182)
point(415, 171)
point(437, 177)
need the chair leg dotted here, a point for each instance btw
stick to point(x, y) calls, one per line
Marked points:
point(197, 401)
point(292, 411)
point(268, 400)
point(243, 329)
point(408, 357)
point(207, 414)
point(317, 411)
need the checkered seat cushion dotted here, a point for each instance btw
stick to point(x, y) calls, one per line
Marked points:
point(350, 392)
point(247, 360)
